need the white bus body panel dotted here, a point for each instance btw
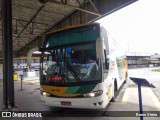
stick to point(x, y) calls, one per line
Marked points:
point(98, 102)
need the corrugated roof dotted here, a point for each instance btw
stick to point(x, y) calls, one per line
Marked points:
point(31, 19)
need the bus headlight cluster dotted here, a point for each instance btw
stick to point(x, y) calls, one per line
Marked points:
point(93, 94)
point(45, 94)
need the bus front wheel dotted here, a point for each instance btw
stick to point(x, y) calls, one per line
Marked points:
point(115, 90)
point(126, 77)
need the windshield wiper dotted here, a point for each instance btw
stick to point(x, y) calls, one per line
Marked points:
point(73, 72)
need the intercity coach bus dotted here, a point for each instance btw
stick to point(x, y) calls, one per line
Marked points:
point(85, 67)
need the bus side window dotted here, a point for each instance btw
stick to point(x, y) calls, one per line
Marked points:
point(105, 64)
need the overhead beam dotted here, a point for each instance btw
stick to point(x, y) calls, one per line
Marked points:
point(74, 7)
point(20, 36)
point(31, 28)
point(42, 28)
point(23, 26)
point(120, 4)
point(35, 15)
point(78, 2)
point(27, 7)
point(70, 14)
point(31, 22)
point(103, 6)
point(38, 37)
point(94, 6)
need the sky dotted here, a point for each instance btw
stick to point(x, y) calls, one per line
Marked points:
point(136, 27)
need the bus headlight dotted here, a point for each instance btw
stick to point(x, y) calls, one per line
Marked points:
point(93, 94)
point(43, 93)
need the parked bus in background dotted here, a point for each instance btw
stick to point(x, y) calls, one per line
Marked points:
point(69, 79)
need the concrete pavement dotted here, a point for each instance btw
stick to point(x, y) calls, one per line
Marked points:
point(127, 100)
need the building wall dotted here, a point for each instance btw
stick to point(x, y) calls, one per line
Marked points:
point(142, 62)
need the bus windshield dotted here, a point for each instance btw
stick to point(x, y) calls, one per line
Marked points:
point(71, 56)
point(71, 64)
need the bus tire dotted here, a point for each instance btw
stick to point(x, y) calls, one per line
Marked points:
point(115, 91)
point(126, 77)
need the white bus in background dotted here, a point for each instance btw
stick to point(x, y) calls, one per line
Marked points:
point(85, 67)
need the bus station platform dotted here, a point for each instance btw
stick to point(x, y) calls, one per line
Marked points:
point(28, 99)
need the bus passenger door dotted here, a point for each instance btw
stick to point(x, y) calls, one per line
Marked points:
point(105, 65)
point(107, 83)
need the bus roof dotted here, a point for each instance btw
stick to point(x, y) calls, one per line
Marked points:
point(70, 27)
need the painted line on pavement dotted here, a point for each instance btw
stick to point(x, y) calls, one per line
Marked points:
point(152, 95)
point(154, 99)
point(125, 96)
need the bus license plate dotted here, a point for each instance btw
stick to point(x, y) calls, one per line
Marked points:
point(66, 103)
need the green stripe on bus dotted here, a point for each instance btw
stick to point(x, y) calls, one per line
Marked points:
point(86, 89)
point(72, 90)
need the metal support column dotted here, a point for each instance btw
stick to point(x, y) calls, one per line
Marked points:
point(140, 100)
point(8, 83)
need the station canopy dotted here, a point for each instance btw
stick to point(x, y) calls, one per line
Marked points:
point(32, 19)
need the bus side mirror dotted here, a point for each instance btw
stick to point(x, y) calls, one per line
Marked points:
point(99, 48)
